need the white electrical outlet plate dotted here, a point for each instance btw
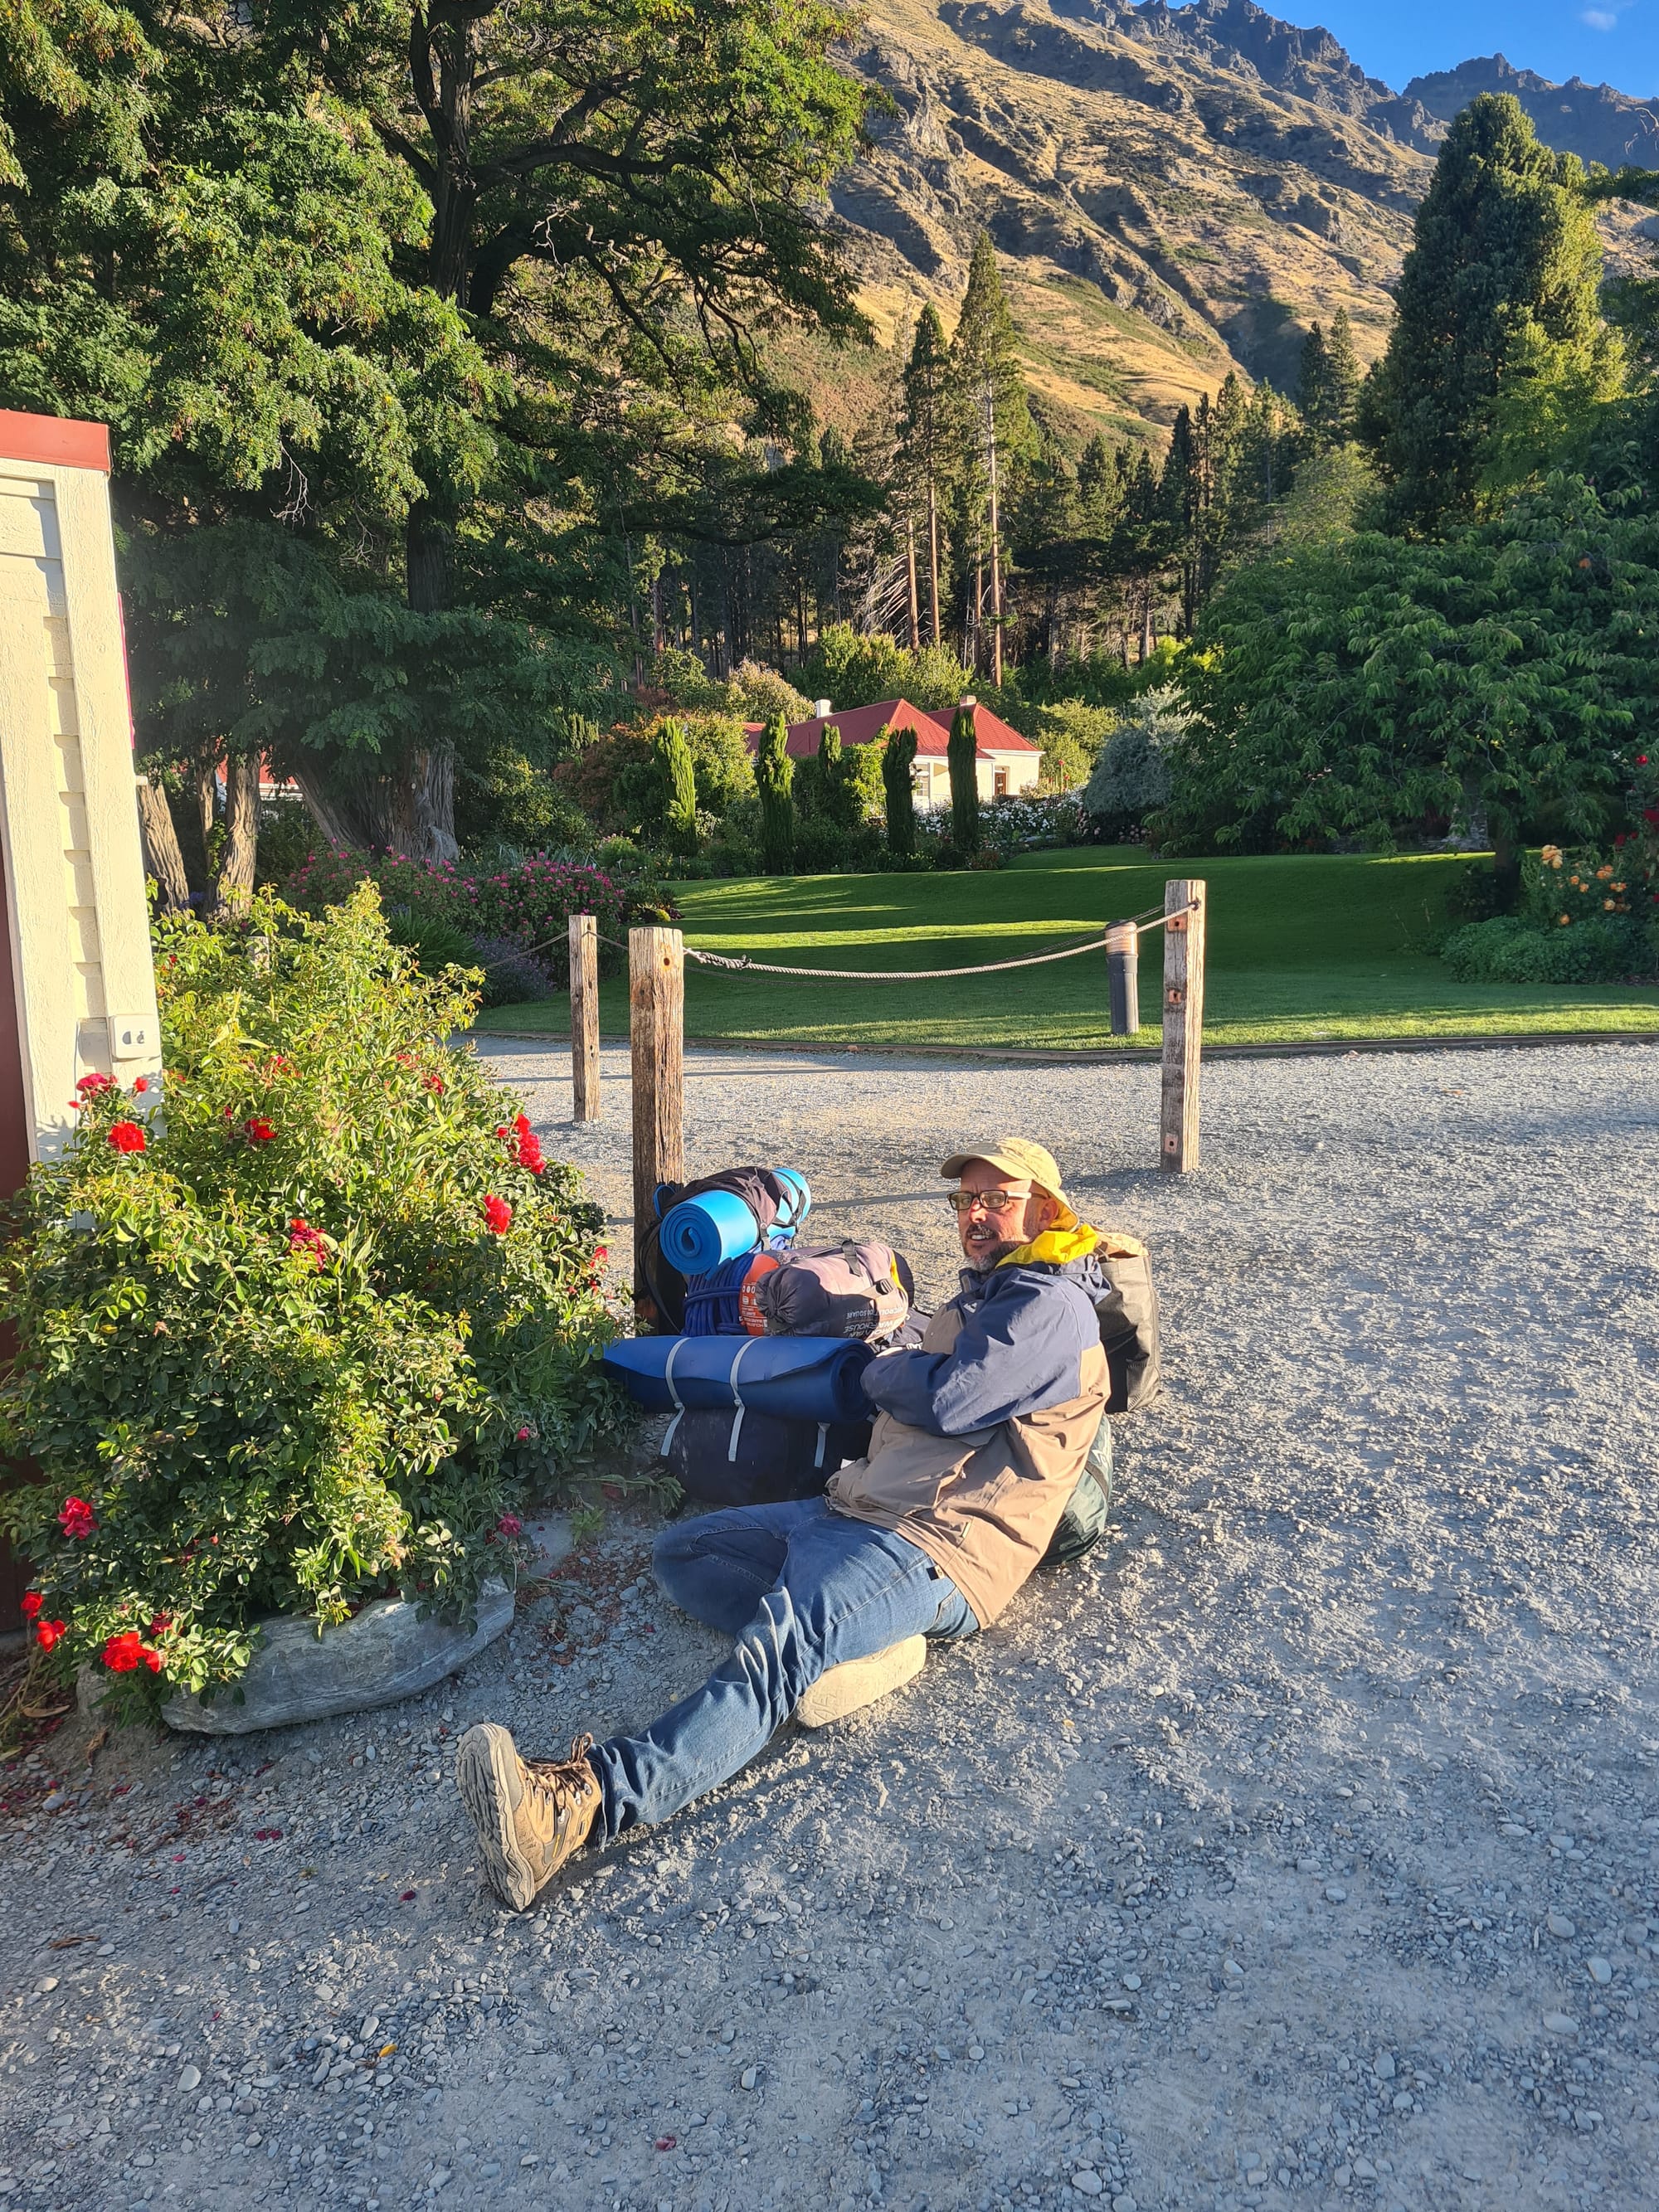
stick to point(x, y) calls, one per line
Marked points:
point(131, 1036)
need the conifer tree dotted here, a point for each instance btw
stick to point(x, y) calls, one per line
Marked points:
point(775, 780)
point(679, 778)
point(963, 757)
point(1313, 387)
point(993, 420)
point(1343, 375)
point(1500, 285)
point(899, 754)
point(925, 434)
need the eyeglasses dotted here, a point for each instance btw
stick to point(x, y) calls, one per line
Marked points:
point(994, 1201)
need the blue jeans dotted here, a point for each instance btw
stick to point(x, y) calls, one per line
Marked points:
point(802, 1589)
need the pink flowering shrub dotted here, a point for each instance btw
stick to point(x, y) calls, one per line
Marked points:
point(313, 1340)
point(528, 907)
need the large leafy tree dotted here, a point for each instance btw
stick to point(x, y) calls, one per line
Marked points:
point(1497, 309)
point(1369, 688)
point(390, 298)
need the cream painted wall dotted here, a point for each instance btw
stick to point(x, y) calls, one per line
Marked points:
point(79, 923)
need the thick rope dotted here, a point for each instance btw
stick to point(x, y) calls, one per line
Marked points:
point(741, 963)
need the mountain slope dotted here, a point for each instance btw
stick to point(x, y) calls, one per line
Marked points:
point(1174, 192)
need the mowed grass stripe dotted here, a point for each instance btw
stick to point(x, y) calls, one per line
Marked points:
point(1301, 947)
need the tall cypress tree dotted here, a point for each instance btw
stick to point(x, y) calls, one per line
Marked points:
point(774, 780)
point(924, 435)
point(899, 754)
point(1500, 283)
point(963, 757)
point(679, 779)
point(1313, 387)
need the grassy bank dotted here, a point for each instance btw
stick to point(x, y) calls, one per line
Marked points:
point(1300, 947)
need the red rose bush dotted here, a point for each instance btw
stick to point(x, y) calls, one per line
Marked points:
point(298, 1326)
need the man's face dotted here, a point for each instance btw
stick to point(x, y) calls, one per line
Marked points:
point(988, 1232)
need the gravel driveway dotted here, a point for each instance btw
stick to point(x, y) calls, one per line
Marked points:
point(1299, 1848)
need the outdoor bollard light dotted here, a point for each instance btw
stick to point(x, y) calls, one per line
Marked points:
point(1123, 973)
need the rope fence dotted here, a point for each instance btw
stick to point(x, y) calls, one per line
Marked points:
point(656, 994)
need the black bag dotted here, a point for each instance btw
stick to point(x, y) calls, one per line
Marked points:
point(738, 1457)
point(1128, 1323)
point(765, 1194)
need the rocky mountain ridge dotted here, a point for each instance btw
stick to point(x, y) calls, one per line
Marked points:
point(1173, 192)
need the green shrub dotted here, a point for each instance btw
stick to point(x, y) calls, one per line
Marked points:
point(529, 903)
point(1131, 778)
point(1510, 949)
point(301, 1330)
point(1071, 734)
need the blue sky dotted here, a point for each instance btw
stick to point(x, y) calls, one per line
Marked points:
point(1606, 41)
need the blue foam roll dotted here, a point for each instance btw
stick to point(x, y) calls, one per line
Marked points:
point(802, 1378)
point(699, 1233)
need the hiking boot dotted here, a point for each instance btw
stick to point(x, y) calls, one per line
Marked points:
point(857, 1682)
point(531, 1815)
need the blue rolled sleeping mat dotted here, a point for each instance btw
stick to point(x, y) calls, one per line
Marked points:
point(701, 1233)
point(802, 1378)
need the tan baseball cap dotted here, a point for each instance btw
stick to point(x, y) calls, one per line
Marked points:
point(1015, 1156)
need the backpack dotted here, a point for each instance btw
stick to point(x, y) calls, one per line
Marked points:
point(1089, 1508)
point(1128, 1322)
point(758, 1459)
point(770, 1197)
point(849, 1290)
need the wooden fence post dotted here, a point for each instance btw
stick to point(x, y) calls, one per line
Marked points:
point(584, 1016)
point(1183, 1022)
point(656, 1006)
point(1123, 977)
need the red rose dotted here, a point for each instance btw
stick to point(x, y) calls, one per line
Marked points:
point(49, 1633)
point(498, 1216)
point(77, 1519)
point(160, 1625)
point(434, 1083)
point(141, 1084)
point(509, 1525)
point(122, 1653)
point(523, 1436)
point(31, 1604)
point(90, 1083)
point(126, 1136)
point(601, 1251)
point(259, 1132)
point(302, 1237)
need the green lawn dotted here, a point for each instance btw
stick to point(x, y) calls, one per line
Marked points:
point(1302, 947)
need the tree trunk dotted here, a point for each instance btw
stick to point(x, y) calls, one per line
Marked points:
point(234, 887)
point(322, 808)
point(911, 608)
point(162, 857)
point(207, 786)
point(933, 556)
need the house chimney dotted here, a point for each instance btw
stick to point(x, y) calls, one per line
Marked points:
point(967, 700)
point(821, 707)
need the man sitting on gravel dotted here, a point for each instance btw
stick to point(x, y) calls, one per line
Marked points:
point(981, 1434)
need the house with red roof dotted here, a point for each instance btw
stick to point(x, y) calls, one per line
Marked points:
point(1005, 763)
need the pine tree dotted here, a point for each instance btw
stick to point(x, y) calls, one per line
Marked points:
point(1315, 395)
point(1500, 285)
point(1344, 376)
point(1180, 498)
point(993, 420)
point(924, 434)
point(899, 754)
point(775, 780)
point(963, 757)
point(679, 780)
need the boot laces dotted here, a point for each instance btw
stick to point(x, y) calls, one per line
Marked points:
point(563, 1781)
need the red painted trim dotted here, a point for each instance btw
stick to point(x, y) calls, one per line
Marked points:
point(53, 441)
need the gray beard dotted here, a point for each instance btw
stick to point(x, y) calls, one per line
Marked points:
point(992, 1255)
